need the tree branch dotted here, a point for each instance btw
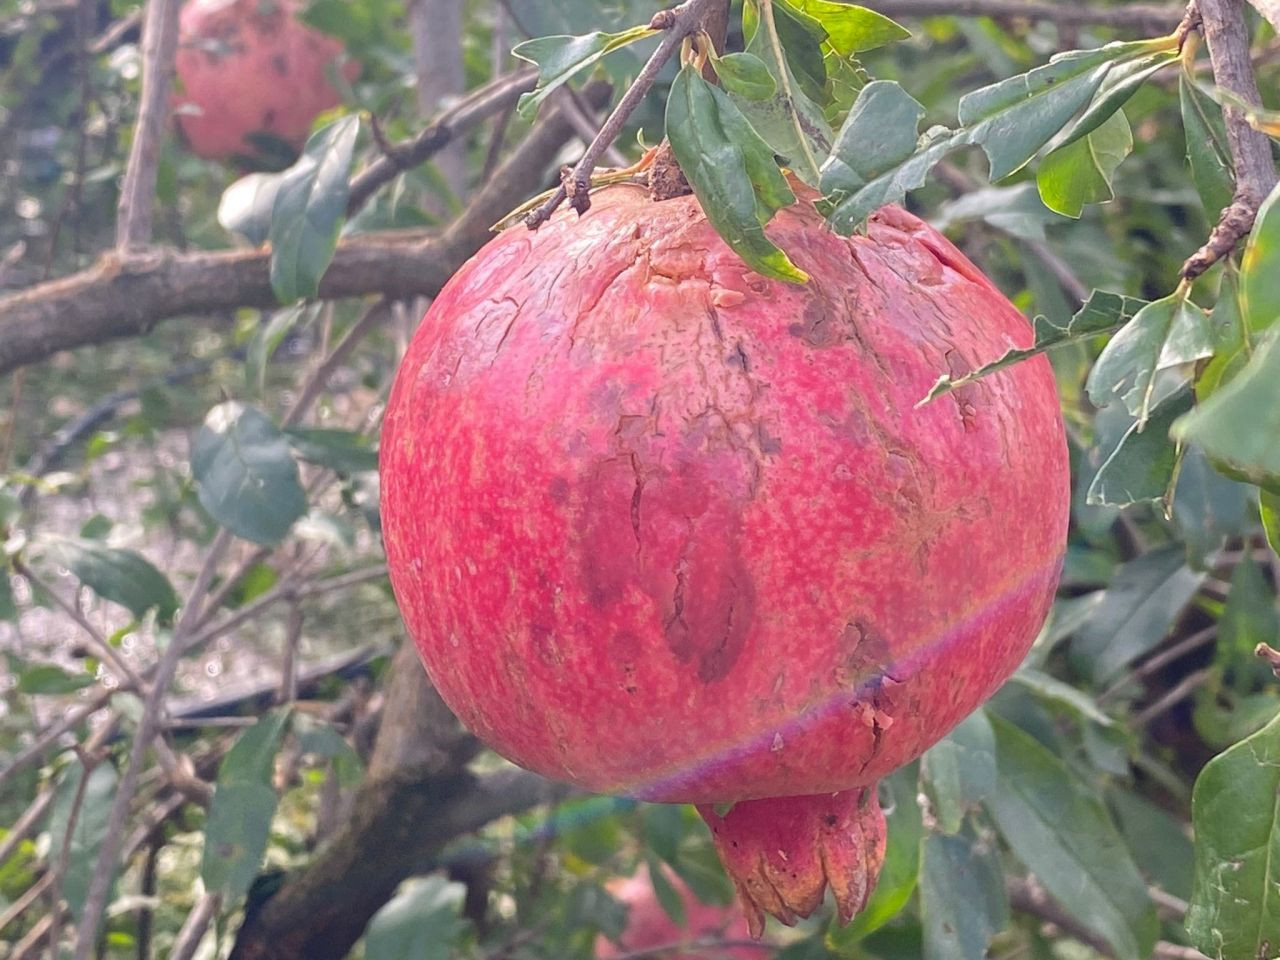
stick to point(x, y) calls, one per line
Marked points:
point(1227, 37)
point(128, 296)
point(1136, 16)
point(137, 194)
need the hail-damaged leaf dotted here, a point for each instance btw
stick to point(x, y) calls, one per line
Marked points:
point(559, 58)
point(1237, 426)
point(1207, 150)
point(1234, 912)
point(732, 172)
point(1121, 83)
point(800, 39)
point(308, 210)
point(1102, 313)
point(1143, 465)
point(1260, 268)
point(790, 121)
point(745, 75)
point(1080, 171)
point(851, 29)
point(1164, 334)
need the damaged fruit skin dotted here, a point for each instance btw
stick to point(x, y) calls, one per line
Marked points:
point(665, 528)
point(251, 67)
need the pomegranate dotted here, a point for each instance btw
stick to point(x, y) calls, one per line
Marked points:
point(665, 528)
point(649, 925)
point(251, 67)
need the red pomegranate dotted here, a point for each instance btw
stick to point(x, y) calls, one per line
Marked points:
point(649, 925)
point(251, 67)
point(662, 527)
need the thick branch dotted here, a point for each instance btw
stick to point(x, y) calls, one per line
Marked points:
point(1135, 16)
point(1227, 37)
point(121, 297)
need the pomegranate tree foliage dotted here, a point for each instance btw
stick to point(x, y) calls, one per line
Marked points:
point(1116, 798)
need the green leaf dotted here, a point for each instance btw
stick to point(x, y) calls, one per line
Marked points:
point(309, 209)
point(1121, 83)
point(422, 921)
point(668, 897)
point(1102, 313)
point(1235, 809)
point(1055, 692)
point(1145, 597)
point(1159, 842)
point(901, 869)
point(852, 29)
point(267, 339)
point(791, 124)
point(962, 898)
point(1239, 424)
point(745, 75)
point(88, 832)
point(1062, 832)
point(1260, 268)
point(1080, 172)
point(559, 58)
point(248, 481)
point(8, 609)
point(731, 170)
point(1144, 463)
point(50, 680)
point(344, 451)
point(246, 205)
point(1207, 149)
point(960, 770)
point(1166, 333)
point(1248, 619)
point(1269, 505)
point(121, 576)
point(665, 826)
point(244, 802)
point(800, 41)
point(1234, 343)
point(1017, 210)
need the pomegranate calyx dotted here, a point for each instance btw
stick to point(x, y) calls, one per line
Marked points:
point(783, 852)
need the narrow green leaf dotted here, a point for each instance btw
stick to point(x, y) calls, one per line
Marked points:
point(1017, 210)
point(1062, 832)
point(962, 897)
point(1143, 464)
point(1080, 172)
point(1102, 313)
point(1207, 149)
point(1158, 841)
point(8, 609)
point(344, 451)
point(50, 680)
point(248, 481)
point(1238, 426)
point(732, 172)
point(852, 29)
point(267, 339)
point(1054, 691)
point(308, 210)
point(1164, 334)
point(960, 770)
point(1260, 268)
point(745, 75)
point(1145, 597)
point(1269, 505)
point(423, 921)
point(121, 576)
point(1235, 809)
point(88, 832)
point(1233, 342)
point(244, 802)
point(668, 897)
point(1248, 619)
point(789, 122)
point(1121, 83)
point(559, 58)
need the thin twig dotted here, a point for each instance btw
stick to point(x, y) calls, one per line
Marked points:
point(137, 193)
point(29, 896)
point(31, 818)
point(576, 183)
point(369, 320)
point(193, 928)
point(582, 121)
point(88, 762)
point(695, 946)
point(1175, 695)
point(1227, 36)
point(289, 662)
point(1180, 649)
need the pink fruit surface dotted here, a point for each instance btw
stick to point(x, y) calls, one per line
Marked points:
point(250, 67)
point(662, 527)
point(649, 925)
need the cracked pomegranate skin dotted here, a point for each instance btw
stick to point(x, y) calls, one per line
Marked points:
point(662, 527)
point(250, 66)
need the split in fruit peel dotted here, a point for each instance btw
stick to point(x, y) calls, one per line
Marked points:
point(782, 853)
point(660, 526)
